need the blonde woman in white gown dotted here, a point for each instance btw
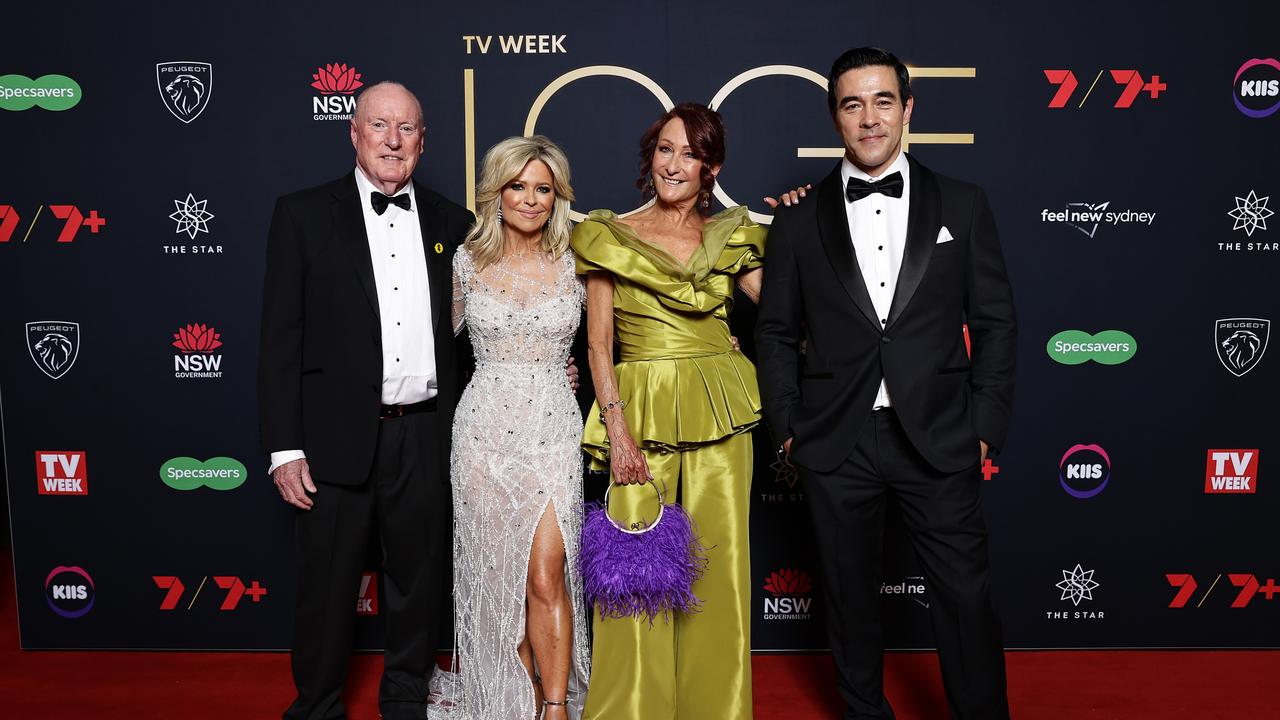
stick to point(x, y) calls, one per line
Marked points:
point(516, 464)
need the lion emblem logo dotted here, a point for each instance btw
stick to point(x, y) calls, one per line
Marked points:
point(185, 87)
point(54, 346)
point(1241, 343)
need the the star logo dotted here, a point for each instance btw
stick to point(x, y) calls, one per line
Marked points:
point(1077, 585)
point(1251, 213)
point(786, 471)
point(191, 216)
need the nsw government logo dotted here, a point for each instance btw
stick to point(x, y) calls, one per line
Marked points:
point(790, 589)
point(1084, 471)
point(1075, 347)
point(188, 473)
point(197, 358)
point(1231, 471)
point(69, 591)
point(1241, 343)
point(185, 87)
point(54, 345)
point(336, 84)
point(1257, 87)
point(61, 472)
point(1088, 217)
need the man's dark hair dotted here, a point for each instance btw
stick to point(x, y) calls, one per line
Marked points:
point(865, 57)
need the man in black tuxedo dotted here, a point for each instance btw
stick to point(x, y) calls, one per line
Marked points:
point(868, 386)
point(357, 382)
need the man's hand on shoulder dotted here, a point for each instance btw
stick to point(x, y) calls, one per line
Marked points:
point(293, 481)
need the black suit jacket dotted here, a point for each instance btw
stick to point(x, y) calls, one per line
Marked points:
point(814, 291)
point(320, 365)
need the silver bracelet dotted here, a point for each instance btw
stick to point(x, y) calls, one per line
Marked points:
point(615, 404)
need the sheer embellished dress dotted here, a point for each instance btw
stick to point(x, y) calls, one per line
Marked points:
point(515, 456)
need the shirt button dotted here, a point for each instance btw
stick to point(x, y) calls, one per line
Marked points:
point(395, 288)
point(882, 322)
point(393, 254)
point(393, 224)
point(877, 212)
point(880, 248)
point(881, 285)
point(398, 322)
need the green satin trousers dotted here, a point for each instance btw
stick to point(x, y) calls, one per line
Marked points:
point(686, 667)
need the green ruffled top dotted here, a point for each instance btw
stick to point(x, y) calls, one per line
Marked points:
point(683, 383)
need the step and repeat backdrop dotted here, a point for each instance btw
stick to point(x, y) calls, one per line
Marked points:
point(1130, 154)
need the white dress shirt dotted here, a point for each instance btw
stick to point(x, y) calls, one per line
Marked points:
point(404, 302)
point(878, 226)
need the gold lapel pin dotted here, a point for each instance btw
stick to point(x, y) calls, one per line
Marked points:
point(439, 248)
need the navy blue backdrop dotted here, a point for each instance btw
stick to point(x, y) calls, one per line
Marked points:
point(1129, 151)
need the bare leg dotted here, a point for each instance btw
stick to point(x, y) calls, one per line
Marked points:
point(550, 616)
point(525, 651)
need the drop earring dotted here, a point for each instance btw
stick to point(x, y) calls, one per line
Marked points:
point(499, 216)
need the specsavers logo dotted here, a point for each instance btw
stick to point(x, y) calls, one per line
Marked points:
point(1076, 347)
point(219, 473)
point(51, 92)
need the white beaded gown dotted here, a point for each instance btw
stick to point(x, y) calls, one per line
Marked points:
point(516, 454)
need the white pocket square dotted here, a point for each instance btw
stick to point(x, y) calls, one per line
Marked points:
point(944, 235)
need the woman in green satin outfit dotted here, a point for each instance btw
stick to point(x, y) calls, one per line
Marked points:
point(677, 409)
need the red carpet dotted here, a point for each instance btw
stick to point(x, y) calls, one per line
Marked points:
point(1120, 685)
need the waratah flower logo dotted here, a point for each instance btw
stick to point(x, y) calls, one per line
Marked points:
point(197, 338)
point(336, 78)
point(788, 581)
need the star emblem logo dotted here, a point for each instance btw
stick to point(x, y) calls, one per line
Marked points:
point(1077, 585)
point(1251, 213)
point(192, 216)
point(785, 470)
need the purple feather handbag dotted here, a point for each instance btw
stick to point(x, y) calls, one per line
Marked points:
point(641, 571)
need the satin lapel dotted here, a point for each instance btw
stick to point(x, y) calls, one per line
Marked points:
point(348, 218)
point(439, 274)
point(833, 226)
point(923, 221)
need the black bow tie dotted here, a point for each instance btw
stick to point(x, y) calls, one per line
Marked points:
point(380, 201)
point(858, 189)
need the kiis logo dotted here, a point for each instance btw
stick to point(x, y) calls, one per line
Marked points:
point(1109, 347)
point(789, 588)
point(61, 472)
point(1084, 471)
point(54, 346)
point(1086, 217)
point(71, 216)
point(185, 87)
point(1241, 343)
point(197, 359)
point(1231, 471)
point(1257, 87)
point(367, 598)
point(69, 591)
point(188, 473)
point(337, 84)
point(51, 92)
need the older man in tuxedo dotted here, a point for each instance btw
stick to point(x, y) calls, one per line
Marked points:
point(357, 381)
point(867, 384)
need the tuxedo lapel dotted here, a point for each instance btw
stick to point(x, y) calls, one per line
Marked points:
point(439, 274)
point(923, 222)
point(833, 226)
point(348, 218)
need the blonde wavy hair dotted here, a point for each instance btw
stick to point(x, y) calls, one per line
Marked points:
point(502, 164)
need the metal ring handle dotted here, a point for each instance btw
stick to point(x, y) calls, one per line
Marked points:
point(632, 530)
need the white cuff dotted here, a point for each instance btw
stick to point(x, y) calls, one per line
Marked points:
point(283, 456)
